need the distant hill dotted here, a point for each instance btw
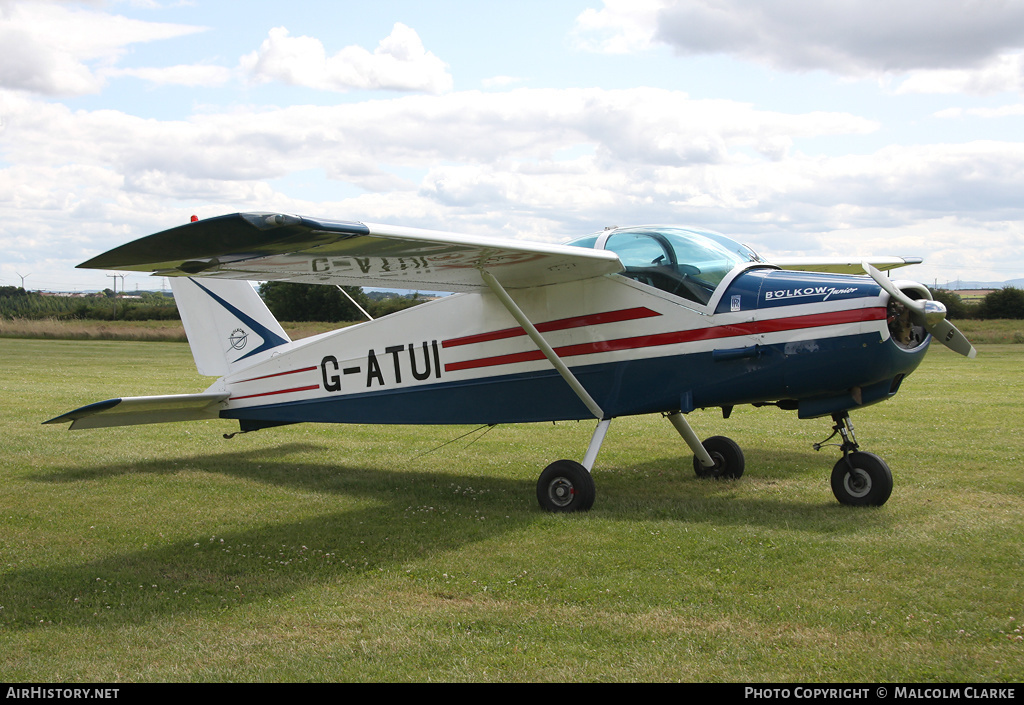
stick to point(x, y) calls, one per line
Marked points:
point(968, 284)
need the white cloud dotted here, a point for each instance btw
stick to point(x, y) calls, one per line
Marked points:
point(399, 62)
point(1000, 112)
point(1004, 73)
point(55, 50)
point(621, 27)
point(521, 162)
point(501, 81)
point(544, 163)
point(636, 158)
point(354, 141)
point(861, 38)
point(180, 75)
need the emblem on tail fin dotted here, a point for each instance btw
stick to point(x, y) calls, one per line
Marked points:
point(238, 339)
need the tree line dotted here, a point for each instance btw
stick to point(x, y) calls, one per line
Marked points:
point(15, 302)
point(1001, 303)
point(288, 302)
point(318, 302)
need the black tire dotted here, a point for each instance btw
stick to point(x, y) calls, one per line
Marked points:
point(862, 480)
point(728, 457)
point(566, 486)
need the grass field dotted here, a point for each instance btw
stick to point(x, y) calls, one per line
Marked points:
point(315, 553)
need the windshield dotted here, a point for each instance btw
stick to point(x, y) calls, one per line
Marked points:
point(683, 262)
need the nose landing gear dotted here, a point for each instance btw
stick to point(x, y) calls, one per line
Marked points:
point(859, 478)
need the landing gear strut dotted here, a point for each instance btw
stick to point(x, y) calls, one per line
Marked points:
point(859, 479)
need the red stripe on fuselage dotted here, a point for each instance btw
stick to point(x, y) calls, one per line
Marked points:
point(280, 391)
point(592, 319)
point(684, 336)
point(276, 374)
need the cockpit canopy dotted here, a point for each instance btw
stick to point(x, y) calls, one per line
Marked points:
point(682, 261)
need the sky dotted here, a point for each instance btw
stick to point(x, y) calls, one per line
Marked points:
point(798, 127)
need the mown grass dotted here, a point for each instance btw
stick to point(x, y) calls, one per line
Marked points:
point(995, 331)
point(165, 553)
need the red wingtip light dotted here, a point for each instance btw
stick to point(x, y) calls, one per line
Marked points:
point(195, 218)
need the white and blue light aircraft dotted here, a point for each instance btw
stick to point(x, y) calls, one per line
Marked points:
point(635, 320)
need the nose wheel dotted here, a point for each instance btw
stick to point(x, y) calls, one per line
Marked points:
point(862, 479)
point(859, 479)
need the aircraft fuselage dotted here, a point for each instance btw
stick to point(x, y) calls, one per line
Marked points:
point(816, 342)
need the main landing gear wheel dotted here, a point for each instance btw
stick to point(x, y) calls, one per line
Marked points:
point(728, 457)
point(862, 479)
point(566, 486)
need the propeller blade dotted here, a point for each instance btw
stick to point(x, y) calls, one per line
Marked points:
point(890, 288)
point(930, 314)
point(947, 334)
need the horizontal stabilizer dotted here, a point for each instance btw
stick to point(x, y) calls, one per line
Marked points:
point(130, 411)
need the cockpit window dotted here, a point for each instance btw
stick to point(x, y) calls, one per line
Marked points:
point(588, 241)
point(683, 262)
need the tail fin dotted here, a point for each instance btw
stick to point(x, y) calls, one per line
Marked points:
point(226, 323)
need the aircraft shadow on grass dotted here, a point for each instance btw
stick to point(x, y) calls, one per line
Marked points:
point(411, 516)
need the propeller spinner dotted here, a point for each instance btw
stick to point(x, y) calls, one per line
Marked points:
point(931, 315)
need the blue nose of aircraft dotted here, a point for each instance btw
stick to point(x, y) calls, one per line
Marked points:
point(826, 343)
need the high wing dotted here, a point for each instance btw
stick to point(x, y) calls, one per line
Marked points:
point(841, 265)
point(271, 246)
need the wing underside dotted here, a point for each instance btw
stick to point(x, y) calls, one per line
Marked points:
point(267, 246)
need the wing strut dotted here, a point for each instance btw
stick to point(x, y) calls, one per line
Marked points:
point(495, 286)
